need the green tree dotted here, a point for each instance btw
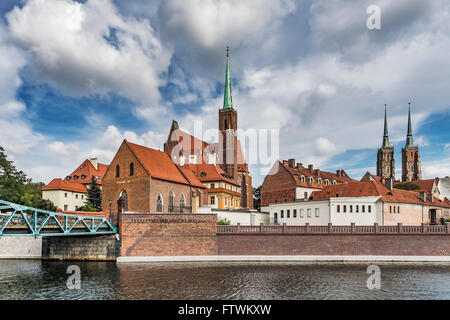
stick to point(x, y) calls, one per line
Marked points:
point(94, 196)
point(223, 222)
point(16, 187)
point(88, 208)
point(407, 186)
point(257, 198)
point(12, 181)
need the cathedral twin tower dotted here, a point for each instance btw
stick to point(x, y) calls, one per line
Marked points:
point(411, 169)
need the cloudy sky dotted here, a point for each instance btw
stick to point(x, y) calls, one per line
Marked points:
point(76, 77)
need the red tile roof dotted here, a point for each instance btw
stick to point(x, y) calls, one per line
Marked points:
point(425, 185)
point(374, 188)
point(62, 184)
point(158, 164)
point(297, 172)
point(190, 176)
point(209, 173)
point(87, 170)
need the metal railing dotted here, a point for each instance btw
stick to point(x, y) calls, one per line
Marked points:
point(330, 229)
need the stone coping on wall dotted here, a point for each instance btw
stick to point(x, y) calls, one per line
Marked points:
point(283, 258)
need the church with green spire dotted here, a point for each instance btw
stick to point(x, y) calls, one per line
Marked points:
point(385, 156)
point(411, 167)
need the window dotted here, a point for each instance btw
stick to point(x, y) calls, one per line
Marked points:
point(363, 209)
point(308, 213)
point(117, 171)
point(76, 196)
point(295, 213)
point(203, 174)
point(369, 209)
point(311, 180)
point(394, 209)
point(171, 198)
point(182, 203)
point(159, 204)
point(288, 213)
point(82, 197)
point(390, 209)
point(302, 178)
point(319, 181)
point(305, 195)
point(345, 208)
point(83, 177)
point(398, 209)
point(338, 208)
point(334, 182)
point(301, 213)
point(350, 208)
point(131, 169)
point(65, 194)
point(76, 208)
point(282, 214)
point(212, 200)
point(213, 185)
point(75, 177)
point(66, 207)
point(317, 212)
point(357, 208)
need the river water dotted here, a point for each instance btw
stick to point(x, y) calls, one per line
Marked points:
point(35, 279)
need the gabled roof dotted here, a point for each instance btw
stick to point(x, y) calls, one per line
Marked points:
point(209, 173)
point(87, 170)
point(374, 188)
point(62, 184)
point(371, 177)
point(157, 163)
point(297, 172)
point(190, 176)
point(426, 185)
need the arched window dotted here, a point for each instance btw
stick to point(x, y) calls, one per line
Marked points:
point(171, 199)
point(182, 203)
point(159, 203)
point(117, 171)
point(226, 124)
point(131, 169)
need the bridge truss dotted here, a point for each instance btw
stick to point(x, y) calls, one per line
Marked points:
point(18, 220)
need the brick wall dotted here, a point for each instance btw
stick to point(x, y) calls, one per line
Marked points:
point(105, 247)
point(278, 187)
point(401, 245)
point(168, 234)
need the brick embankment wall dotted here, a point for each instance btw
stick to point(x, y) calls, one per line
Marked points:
point(292, 244)
point(100, 247)
point(168, 234)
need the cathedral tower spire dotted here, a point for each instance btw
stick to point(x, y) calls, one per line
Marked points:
point(228, 128)
point(411, 168)
point(227, 98)
point(386, 134)
point(385, 156)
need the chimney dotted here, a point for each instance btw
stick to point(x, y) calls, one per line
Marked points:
point(422, 196)
point(94, 162)
point(285, 163)
point(310, 167)
point(299, 166)
point(430, 197)
point(317, 172)
point(291, 163)
point(389, 183)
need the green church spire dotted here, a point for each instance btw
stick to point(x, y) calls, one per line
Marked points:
point(227, 99)
point(409, 137)
point(386, 135)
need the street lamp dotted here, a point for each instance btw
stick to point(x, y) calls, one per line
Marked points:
point(110, 203)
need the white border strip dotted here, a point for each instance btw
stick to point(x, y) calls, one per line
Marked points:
point(216, 258)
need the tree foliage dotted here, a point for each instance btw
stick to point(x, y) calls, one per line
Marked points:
point(88, 208)
point(16, 187)
point(407, 186)
point(257, 198)
point(223, 222)
point(94, 196)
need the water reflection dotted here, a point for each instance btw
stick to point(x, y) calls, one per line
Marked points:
point(23, 279)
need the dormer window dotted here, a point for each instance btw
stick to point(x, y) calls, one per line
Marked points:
point(68, 178)
point(311, 180)
point(83, 176)
point(75, 177)
point(302, 178)
point(327, 182)
point(319, 181)
point(203, 174)
point(334, 182)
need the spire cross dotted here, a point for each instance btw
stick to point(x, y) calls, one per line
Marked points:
point(228, 51)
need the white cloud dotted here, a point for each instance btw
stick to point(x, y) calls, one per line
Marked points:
point(69, 47)
point(439, 168)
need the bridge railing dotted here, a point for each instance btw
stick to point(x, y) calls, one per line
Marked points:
point(331, 229)
point(17, 219)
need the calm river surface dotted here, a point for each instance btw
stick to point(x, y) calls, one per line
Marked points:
point(34, 279)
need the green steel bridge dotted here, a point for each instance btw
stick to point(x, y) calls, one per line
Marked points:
point(19, 220)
